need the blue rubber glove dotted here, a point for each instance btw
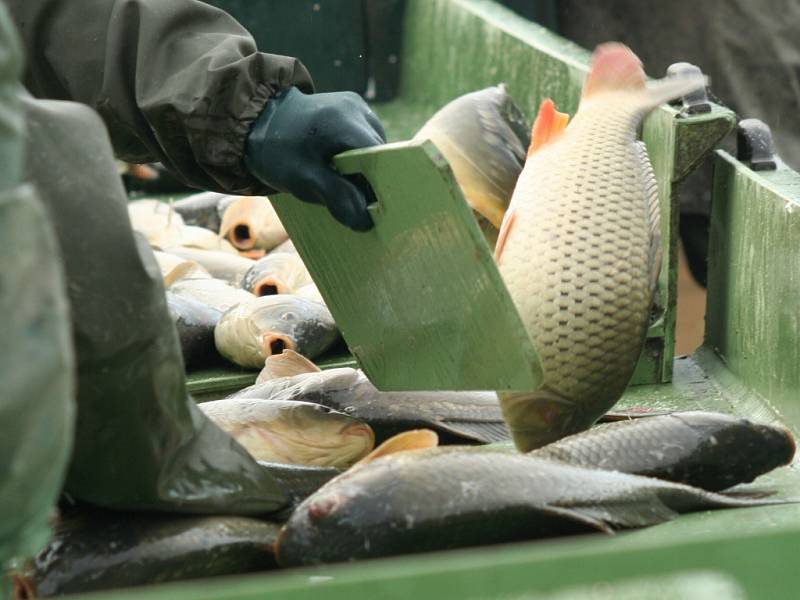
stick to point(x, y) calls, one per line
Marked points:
point(293, 141)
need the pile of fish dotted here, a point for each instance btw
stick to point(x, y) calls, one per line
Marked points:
point(578, 249)
point(624, 474)
point(236, 287)
point(457, 417)
point(408, 496)
point(451, 497)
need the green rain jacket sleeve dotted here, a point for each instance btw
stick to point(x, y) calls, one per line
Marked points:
point(175, 81)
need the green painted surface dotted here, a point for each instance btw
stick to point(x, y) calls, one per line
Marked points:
point(418, 298)
point(219, 381)
point(454, 47)
point(384, 39)
point(687, 584)
point(676, 144)
point(684, 585)
point(753, 315)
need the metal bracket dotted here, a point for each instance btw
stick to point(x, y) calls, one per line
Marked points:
point(754, 145)
point(696, 102)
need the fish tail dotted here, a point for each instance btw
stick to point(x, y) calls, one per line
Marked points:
point(615, 68)
point(663, 90)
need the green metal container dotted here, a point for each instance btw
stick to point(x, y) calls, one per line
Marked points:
point(749, 364)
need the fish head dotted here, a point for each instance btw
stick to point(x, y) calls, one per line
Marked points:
point(536, 419)
point(312, 434)
point(775, 447)
point(275, 274)
point(312, 535)
point(748, 449)
point(346, 519)
point(288, 322)
point(243, 219)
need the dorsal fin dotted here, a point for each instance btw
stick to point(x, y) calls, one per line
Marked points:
point(286, 364)
point(414, 439)
point(549, 125)
point(614, 68)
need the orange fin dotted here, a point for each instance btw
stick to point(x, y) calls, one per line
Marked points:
point(414, 439)
point(505, 228)
point(614, 67)
point(145, 172)
point(549, 125)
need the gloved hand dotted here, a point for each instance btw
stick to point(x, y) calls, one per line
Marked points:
point(293, 141)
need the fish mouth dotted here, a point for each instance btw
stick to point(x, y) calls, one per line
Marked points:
point(276, 545)
point(275, 343)
point(270, 286)
point(241, 235)
point(289, 544)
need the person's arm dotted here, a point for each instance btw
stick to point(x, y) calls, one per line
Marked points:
point(176, 81)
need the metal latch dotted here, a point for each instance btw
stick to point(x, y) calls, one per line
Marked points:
point(693, 103)
point(754, 145)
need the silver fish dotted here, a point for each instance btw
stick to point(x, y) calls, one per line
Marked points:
point(250, 332)
point(426, 500)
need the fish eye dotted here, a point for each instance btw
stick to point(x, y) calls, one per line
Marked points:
point(288, 316)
